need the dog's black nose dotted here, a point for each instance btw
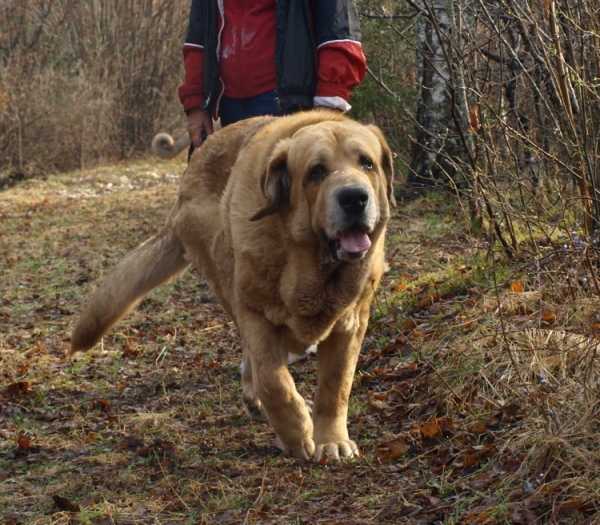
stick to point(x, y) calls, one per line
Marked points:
point(353, 199)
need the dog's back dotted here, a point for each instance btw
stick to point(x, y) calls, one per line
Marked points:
point(163, 256)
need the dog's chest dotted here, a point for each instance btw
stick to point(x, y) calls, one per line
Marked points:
point(313, 302)
point(302, 294)
point(308, 329)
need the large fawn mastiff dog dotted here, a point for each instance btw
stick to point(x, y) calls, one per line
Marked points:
point(285, 217)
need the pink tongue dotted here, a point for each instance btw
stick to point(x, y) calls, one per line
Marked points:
point(355, 241)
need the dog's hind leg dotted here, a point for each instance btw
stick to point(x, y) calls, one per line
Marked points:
point(153, 263)
point(252, 405)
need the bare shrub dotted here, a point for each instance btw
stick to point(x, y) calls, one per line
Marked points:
point(507, 116)
point(507, 106)
point(82, 81)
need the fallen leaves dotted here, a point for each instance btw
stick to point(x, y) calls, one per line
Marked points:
point(516, 287)
point(65, 505)
point(547, 318)
point(476, 455)
point(394, 449)
point(17, 389)
point(435, 428)
point(23, 444)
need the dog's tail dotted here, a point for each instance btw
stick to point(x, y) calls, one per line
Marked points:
point(153, 263)
point(165, 147)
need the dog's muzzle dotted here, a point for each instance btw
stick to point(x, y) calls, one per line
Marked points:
point(352, 219)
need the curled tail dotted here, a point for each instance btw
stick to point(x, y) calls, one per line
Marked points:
point(165, 147)
point(153, 263)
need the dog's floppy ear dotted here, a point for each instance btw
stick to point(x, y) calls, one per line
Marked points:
point(276, 181)
point(387, 164)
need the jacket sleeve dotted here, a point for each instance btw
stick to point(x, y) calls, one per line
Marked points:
point(341, 63)
point(191, 92)
point(340, 68)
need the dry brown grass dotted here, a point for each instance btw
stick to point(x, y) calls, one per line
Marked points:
point(83, 82)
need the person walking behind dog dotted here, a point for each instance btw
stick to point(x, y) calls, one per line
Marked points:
point(246, 58)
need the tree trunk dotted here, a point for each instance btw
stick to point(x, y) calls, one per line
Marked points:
point(441, 101)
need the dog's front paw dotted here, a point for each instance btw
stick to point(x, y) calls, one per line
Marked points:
point(303, 449)
point(335, 451)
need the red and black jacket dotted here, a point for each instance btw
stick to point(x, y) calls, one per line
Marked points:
point(315, 44)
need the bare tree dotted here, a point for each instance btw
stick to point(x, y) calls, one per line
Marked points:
point(441, 114)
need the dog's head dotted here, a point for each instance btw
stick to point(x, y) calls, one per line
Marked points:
point(333, 182)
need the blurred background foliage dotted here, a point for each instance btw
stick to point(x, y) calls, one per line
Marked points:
point(82, 82)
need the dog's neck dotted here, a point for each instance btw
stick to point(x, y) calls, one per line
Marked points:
point(313, 281)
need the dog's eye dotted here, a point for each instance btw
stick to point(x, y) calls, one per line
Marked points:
point(318, 172)
point(366, 163)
